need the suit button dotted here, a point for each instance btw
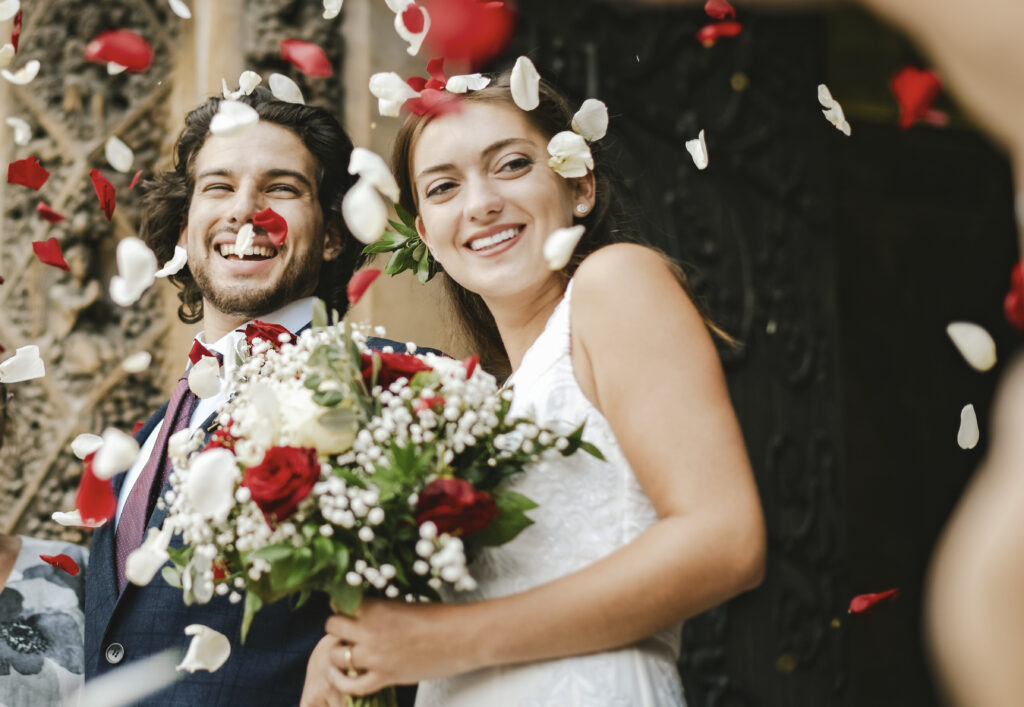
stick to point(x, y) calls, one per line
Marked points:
point(114, 653)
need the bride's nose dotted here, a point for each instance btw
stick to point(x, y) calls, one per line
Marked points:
point(483, 200)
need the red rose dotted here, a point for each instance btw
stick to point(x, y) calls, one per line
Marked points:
point(284, 477)
point(455, 507)
point(222, 437)
point(266, 331)
point(392, 367)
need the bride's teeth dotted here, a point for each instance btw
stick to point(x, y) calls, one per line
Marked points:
point(481, 243)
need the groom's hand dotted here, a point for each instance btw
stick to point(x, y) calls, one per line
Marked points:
point(321, 687)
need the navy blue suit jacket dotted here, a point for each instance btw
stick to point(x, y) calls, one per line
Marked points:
point(121, 627)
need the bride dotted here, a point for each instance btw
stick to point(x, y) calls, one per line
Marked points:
point(583, 607)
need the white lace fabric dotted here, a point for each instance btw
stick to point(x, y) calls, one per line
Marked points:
point(587, 509)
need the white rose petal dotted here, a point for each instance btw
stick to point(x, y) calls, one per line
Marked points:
point(466, 82)
point(391, 91)
point(23, 75)
point(6, 55)
point(24, 365)
point(210, 483)
point(244, 238)
point(332, 8)
point(570, 155)
point(559, 246)
point(591, 120)
point(136, 268)
point(175, 264)
point(371, 167)
point(73, 519)
point(833, 111)
point(284, 89)
point(364, 211)
point(113, 68)
point(22, 130)
point(85, 444)
point(204, 378)
point(180, 9)
point(176, 443)
point(967, 436)
point(117, 454)
point(137, 362)
point(525, 84)
point(415, 40)
point(118, 154)
point(974, 343)
point(8, 9)
point(698, 150)
point(397, 6)
point(208, 650)
point(146, 560)
point(233, 117)
point(248, 81)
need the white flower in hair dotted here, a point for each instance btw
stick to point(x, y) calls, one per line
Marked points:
point(525, 84)
point(591, 120)
point(247, 83)
point(570, 155)
point(332, 8)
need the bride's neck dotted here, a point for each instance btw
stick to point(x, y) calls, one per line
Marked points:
point(520, 321)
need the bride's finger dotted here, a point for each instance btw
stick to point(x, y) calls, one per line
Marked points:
point(341, 627)
point(366, 684)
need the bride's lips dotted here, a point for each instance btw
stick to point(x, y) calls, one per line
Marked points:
point(494, 240)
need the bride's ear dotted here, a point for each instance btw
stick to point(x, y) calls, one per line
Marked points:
point(584, 193)
point(422, 231)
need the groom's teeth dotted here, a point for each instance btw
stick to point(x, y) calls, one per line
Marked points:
point(481, 243)
point(227, 249)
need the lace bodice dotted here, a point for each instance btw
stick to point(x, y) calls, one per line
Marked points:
point(587, 508)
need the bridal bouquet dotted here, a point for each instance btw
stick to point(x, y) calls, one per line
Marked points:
point(344, 470)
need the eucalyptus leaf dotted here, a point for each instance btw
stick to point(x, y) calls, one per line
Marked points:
point(319, 314)
point(252, 604)
point(510, 521)
point(339, 418)
point(345, 597)
point(171, 575)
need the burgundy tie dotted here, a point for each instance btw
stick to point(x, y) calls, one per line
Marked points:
point(142, 497)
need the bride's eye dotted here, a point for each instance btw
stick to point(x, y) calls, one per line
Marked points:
point(517, 164)
point(439, 189)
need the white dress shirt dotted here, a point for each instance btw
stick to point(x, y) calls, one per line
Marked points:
point(293, 317)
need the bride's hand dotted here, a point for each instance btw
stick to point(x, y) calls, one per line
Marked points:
point(321, 688)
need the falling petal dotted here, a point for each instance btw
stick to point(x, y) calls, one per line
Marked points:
point(306, 57)
point(698, 149)
point(974, 344)
point(7, 53)
point(1013, 303)
point(16, 31)
point(104, 192)
point(28, 173)
point(48, 213)
point(466, 82)
point(863, 602)
point(915, 90)
point(204, 378)
point(85, 444)
point(8, 9)
point(95, 500)
point(198, 351)
point(121, 46)
point(432, 101)
point(49, 253)
point(708, 35)
point(833, 111)
point(364, 211)
point(332, 8)
point(118, 154)
point(135, 179)
point(391, 92)
point(559, 246)
point(525, 84)
point(208, 651)
point(284, 89)
point(273, 223)
point(412, 25)
point(591, 120)
point(146, 560)
point(24, 365)
point(24, 75)
point(719, 10)
point(117, 454)
point(137, 362)
point(570, 155)
point(210, 485)
point(468, 31)
point(968, 435)
point(22, 130)
point(359, 283)
point(73, 519)
point(371, 167)
point(244, 238)
point(471, 363)
point(248, 81)
point(113, 68)
point(130, 683)
point(61, 562)
point(136, 271)
point(232, 118)
point(175, 264)
point(180, 9)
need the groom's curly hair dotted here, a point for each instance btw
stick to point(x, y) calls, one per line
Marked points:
point(166, 198)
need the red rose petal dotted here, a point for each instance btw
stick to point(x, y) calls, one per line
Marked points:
point(273, 223)
point(413, 18)
point(104, 192)
point(271, 333)
point(429, 403)
point(307, 58)
point(863, 602)
point(709, 34)
point(135, 179)
point(418, 83)
point(49, 253)
point(1, 279)
point(432, 101)
point(197, 352)
point(469, 31)
point(470, 364)
point(121, 46)
point(719, 9)
point(95, 500)
point(61, 562)
point(1013, 303)
point(136, 427)
point(16, 32)
point(48, 213)
point(435, 68)
point(359, 283)
point(28, 173)
point(915, 90)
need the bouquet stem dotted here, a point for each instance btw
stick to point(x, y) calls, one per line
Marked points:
point(385, 698)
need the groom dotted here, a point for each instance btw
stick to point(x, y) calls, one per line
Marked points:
point(294, 161)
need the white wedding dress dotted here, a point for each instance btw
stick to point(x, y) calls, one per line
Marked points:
point(587, 509)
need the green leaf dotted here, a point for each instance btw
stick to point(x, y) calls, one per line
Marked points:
point(319, 314)
point(313, 381)
point(423, 269)
point(339, 418)
point(180, 556)
point(510, 521)
point(405, 232)
point(591, 450)
point(345, 597)
point(303, 598)
point(171, 575)
point(273, 553)
point(407, 218)
point(328, 398)
point(252, 604)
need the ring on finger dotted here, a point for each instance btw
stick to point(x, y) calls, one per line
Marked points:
point(350, 668)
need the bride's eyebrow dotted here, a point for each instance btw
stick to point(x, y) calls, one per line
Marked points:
point(486, 154)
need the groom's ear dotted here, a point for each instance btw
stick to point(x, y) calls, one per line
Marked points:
point(333, 241)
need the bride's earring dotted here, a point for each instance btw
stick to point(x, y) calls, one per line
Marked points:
point(581, 209)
